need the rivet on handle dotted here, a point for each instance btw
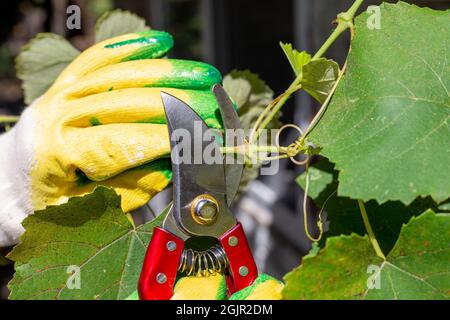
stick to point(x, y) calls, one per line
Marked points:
point(161, 278)
point(243, 271)
point(233, 241)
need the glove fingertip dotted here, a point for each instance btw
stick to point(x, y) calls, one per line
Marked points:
point(151, 44)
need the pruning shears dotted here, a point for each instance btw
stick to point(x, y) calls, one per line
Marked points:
point(202, 195)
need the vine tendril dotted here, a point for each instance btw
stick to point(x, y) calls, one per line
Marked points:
point(305, 211)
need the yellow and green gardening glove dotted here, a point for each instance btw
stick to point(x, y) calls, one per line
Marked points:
point(101, 123)
point(215, 288)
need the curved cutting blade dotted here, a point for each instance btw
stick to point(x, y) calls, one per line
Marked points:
point(233, 137)
point(193, 173)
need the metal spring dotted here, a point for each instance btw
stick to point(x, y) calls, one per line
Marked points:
point(203, 263)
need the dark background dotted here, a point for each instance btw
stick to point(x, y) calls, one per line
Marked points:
point(230, 34)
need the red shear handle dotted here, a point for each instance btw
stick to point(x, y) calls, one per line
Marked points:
point(159, 270)
point(242, 265)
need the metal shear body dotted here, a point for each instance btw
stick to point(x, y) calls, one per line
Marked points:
point(202, 194)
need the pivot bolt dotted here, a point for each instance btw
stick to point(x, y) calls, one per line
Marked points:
point(204, 209)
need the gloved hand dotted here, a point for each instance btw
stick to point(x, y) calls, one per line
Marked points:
point(101, 123)
point(215, 288)
point(264, 288)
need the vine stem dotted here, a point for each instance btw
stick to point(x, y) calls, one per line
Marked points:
point(345, 21)
point(250, 150)
point(272, 109)
point(305, 211)
point(322, 109)
point(341, 27)
point(246, 149)
point(372, 238)
point(8, 119)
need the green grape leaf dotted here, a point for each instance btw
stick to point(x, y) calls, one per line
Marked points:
point(239, 88)
point(133, 296)
point(343, 214)
point(386, 127)
point(41, 61)
point(347, 268)
point(319, 77)
point(90, 233)
point(444, 206)
point(250, 104)
point(251, 95)
point(4, 261)
point(296, 59)
point(315, 249)
point(118, 22)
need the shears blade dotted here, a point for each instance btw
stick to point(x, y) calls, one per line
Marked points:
point(197, 166)
point(232, 125)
